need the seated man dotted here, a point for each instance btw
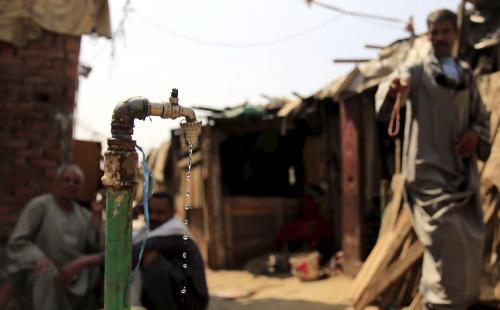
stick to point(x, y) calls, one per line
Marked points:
point(163, 276)
point(52, 231)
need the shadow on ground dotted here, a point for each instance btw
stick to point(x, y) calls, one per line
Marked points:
point(271, 304)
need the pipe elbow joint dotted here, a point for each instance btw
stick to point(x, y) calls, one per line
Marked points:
point(124, 114)
point(189, 114)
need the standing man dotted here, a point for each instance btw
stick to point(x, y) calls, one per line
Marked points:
point(52, 231)
point(445, 122)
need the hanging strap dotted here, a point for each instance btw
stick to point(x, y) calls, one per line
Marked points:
point(394, 123)
point(145, 199)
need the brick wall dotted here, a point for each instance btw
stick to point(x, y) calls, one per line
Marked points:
point(38, 83)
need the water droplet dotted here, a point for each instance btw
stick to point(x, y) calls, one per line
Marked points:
point(186, 222)
point(184, 255)
point(184, 266)
point(186, 207)
point(187, 193)
point(183, 291)
point(185, 237)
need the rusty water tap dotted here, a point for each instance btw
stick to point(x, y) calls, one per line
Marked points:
point(139, 107)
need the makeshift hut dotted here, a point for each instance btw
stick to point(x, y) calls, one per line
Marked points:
point(250, 176)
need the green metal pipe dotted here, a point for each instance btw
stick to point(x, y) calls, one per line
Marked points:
point(118, 248)
point(120, 163)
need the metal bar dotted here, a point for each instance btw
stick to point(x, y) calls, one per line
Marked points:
point(350, 60)
point(373, 46)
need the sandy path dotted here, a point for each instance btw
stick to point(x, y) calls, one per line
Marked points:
point(287, 293)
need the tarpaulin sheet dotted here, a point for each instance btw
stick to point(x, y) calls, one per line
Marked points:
point(22, 20)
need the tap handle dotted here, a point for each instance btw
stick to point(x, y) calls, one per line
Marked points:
point(174, 96)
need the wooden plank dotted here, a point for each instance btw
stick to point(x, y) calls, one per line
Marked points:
point(379, 258)
point(245, 210)
point(410, 281)
point(416, 302)
point(241, 213)
point(492, 208)
point(257, 225)
point(414, 283)
point(213, 193)
point(392, 211)
point(244, 205)
point(229, 236)
point(350, 122)
point(393, 273)
point(196, 159)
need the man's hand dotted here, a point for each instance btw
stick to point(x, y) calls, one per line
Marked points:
point(68, 272)
point(467, 143)
point(397, 85)
point(42, 264)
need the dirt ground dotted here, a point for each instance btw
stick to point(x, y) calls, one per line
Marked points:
point(241, 290)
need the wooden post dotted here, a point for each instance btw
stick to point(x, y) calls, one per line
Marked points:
point(350, 119)
point(330, 120)
point(217, 256)
point(457, 48)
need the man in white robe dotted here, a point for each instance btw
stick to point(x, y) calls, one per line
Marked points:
point(446, 123)
point(52, 231)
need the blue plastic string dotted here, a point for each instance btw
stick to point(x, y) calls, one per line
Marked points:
point(145, 198)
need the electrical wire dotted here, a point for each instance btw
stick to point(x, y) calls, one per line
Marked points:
point(383, 24)
point(264, 43)
point(356, 14)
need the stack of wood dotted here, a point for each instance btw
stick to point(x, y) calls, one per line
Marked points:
point(391, 273)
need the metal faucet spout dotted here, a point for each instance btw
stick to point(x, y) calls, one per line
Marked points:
point(127, 111)
point(167, 110)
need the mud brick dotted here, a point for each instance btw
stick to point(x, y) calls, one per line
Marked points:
point(73, 56)
point(16, 143)
point(30, 153)
point(73, 44)
point(10, 61)
point(47, 54)
point(6, 51)
point(45, 163)
point(34, 79)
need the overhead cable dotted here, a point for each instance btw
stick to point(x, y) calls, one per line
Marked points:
point(358, 14)
point(236, 45)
